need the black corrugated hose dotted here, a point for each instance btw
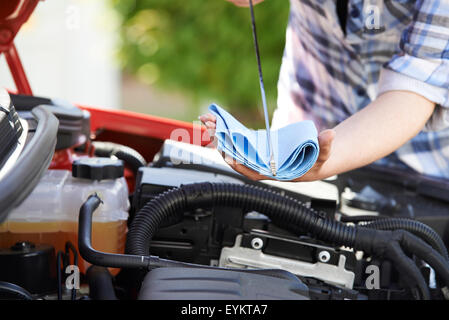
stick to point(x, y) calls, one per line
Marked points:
point(417, 228)
point(284, 211)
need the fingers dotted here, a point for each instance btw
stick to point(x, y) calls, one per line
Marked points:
point(209, 120)
point(325, 139)
point(208, 117)
point(242, 169)
point(210, 124)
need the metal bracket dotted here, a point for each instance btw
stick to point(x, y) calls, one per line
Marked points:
point(240, 257)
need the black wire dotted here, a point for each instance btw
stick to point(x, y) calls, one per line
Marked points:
point(342, 13)
point(256, 47)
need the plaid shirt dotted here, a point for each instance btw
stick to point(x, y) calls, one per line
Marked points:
point(327, 75)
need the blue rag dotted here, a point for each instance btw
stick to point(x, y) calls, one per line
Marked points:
point(295, 147)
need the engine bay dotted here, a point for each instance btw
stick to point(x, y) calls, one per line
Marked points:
point(87, 217)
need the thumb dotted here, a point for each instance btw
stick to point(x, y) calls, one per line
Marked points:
point(325, 139)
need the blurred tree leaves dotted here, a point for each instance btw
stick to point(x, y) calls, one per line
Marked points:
point(204, 48)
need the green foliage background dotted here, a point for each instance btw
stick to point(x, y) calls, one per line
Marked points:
point(205, 49)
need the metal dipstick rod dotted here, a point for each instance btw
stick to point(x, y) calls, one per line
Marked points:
point(262, 90)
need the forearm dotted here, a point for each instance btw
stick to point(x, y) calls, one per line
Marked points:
point(376, 131)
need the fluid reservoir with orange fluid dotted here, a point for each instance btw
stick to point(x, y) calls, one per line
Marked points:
point(49, 215)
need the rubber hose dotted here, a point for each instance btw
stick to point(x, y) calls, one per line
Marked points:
point(100, 284)
point(101, 258)
point(130, 156)
point(417, 228)
point(134, 261)
point(284, 211)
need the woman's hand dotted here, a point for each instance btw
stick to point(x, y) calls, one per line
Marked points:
point(244, 3)
point(325, 139)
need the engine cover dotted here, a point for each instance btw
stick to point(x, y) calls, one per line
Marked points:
point(217, 284)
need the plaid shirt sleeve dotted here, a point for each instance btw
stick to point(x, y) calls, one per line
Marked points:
point(422, 66)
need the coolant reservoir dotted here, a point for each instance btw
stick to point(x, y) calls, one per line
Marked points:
point(50, 213)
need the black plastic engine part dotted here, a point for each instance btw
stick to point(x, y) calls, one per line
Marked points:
point(10, 127)
point(319, 290)
point(26, 103)
point(97, 168)
point(29, 266)
point(100, 284)
point(150, 182)
point(417, 197)
point(210, 284)
point(371, 200)
point(74, 123)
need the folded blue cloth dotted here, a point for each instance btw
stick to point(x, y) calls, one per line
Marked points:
point(295, 147)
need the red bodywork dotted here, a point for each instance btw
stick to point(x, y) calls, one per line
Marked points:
point(144, 133)
point(13, 14)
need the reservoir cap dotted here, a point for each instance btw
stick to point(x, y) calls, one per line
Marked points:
point(97, 168)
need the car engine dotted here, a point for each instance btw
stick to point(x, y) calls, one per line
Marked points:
point(89, 218)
